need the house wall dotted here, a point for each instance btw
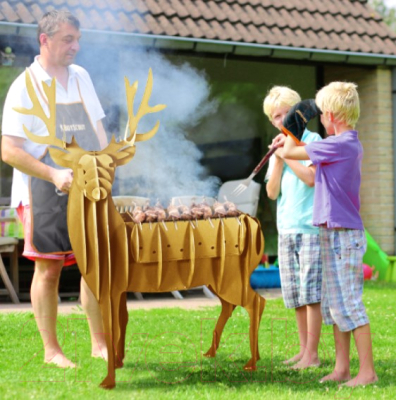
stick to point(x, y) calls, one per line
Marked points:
point(375, 130)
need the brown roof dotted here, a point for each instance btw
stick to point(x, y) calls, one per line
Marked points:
point(336, 25)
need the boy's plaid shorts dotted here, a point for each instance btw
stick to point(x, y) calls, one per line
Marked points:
point(342, 257)
point(300, 268)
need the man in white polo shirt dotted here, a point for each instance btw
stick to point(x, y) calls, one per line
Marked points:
point(39, 188)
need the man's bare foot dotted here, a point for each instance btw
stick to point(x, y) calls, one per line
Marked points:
point(336, 377)
point(100, 353)
point(361, 379)
point(294, 359)
point(60, 361)
point(307, 363)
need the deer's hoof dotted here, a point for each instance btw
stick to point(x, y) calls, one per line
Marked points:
point(250, 366)
point(108, 383)
point(210, 353)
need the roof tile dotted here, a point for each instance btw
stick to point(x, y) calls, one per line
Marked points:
point(152, 24)
point(182, 29)
point(155, 6)
point(229, 11)
point(205, 10)
point(127, 24)
point(216, 11)
point(219, 31)
point(205, 29)
point(9, 12)
point(194, 29)
point(191, 9)
point(179, 8)
point(248, 35)
point(167, 26)
point(241, 13)
point(24, 14)
point(166, 8)
point(139, 24)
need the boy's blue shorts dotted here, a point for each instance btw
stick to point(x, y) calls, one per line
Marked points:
point(300, 269)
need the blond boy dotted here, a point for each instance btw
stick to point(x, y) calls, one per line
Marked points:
point(298, 241)
point(336, 211)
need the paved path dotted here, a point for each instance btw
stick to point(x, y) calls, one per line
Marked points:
point(190, 302)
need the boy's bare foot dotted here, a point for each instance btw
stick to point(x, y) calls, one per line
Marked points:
point(294, 359)
point(306, 363)
point(361, 380)
point(60, 361)
point(336, 377)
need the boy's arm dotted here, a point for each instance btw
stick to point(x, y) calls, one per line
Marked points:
point(304, 173)
point(274, 182)
point(294, 152)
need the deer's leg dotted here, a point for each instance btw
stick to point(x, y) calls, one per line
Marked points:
point(255, 310)
point(109, 381)
point(226, 312)
point(123, 321)
point(111, 310)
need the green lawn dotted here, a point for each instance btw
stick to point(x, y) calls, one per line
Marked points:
point(163, 360)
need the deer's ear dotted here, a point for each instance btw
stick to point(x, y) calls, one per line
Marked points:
point(60, 157)
point(124, 156)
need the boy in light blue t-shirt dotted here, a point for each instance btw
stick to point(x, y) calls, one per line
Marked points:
point(291, 184)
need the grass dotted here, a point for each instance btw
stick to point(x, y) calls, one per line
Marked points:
point(163, 359)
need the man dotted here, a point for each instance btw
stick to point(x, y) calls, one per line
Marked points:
point(47, 242)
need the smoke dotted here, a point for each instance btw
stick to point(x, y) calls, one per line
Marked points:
point(168, 164)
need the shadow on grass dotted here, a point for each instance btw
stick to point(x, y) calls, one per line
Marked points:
point(222, 372)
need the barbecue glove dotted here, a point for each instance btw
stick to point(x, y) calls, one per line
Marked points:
point(298, 117)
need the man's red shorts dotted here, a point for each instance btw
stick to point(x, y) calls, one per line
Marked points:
point(29, 251)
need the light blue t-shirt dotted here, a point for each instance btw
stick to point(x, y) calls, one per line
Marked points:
point(295, 200)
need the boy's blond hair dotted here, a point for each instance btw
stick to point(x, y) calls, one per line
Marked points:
point(342, 99)
point(279, 96)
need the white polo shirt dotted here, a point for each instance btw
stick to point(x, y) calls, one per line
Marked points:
point(13, 121)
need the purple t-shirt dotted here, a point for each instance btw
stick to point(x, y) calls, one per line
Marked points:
point(338, 161)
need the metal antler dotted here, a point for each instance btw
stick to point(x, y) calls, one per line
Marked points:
point(38, 111)
point(144, 109)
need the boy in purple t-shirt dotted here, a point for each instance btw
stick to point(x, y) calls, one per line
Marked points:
point(338, 161)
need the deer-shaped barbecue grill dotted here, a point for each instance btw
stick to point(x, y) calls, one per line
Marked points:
point(115, 255)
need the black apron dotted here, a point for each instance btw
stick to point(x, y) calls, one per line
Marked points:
point(48, 208)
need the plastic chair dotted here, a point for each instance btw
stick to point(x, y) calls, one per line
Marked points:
point(247, 201)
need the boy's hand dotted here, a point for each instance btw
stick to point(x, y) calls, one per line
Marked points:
point(279, 140)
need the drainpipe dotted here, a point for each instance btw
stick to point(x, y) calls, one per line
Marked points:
point(394, 149)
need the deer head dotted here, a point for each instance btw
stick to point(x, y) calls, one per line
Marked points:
point(93, 170)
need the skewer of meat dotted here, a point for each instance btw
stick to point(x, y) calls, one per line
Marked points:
point(151, 215)
point(161, 214)
point(138, 215)
point(197, 211)
point(219, 209)
point(185, 212)
point(207, 211)
point(173, 213)
point(231, 209)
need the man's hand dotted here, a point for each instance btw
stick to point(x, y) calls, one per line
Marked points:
point(62, 179)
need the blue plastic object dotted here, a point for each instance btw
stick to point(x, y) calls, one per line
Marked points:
point(265, 278)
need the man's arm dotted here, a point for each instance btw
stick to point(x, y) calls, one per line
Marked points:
point(13, 153)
